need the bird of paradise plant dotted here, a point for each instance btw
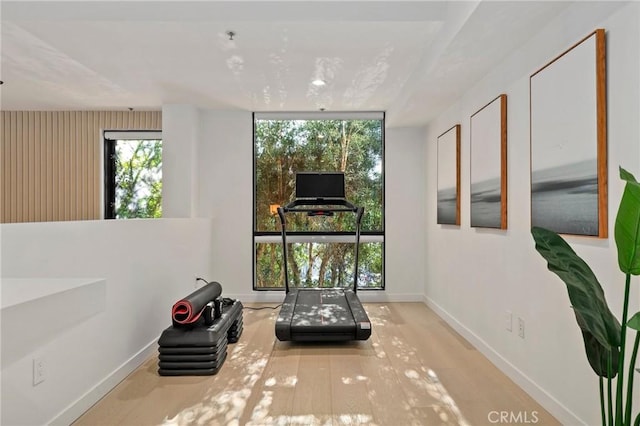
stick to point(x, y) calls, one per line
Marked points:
point(605, 339)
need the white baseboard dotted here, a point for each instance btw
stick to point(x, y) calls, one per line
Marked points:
point(552, 405)
point(86, 401)
point(366, 296)
point(381, 296)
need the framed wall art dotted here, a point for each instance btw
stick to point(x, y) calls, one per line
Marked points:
point(569, 140)
point(449, 177)
point(488, 133)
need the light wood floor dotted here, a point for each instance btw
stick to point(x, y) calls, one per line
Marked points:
point(414, 370)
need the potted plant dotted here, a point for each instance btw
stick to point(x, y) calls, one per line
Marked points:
point(605, 338)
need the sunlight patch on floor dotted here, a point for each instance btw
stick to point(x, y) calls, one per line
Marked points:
point(230, 403)
point(427, 400)
point(349, 380)
point(355, 419)
point(428, 380)
point(407, 353)
point(312, 420)
point(380, 353)
point(261, 410)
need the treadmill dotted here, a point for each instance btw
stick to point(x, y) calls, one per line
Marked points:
point(321, 314)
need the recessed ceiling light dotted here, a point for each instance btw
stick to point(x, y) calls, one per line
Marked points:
point(318, 82)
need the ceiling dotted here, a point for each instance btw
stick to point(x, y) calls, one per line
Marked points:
point(411, 59)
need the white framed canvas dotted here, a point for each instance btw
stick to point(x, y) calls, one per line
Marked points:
point(448, 203)
point(488, 138)
point(569, 140)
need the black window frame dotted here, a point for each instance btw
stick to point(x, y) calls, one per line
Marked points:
point(363, 234)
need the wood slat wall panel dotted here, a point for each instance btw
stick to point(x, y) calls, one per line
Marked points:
point(36, 171)
point(51, 161)
point(20, 175)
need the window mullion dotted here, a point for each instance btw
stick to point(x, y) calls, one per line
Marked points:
point(109, 179)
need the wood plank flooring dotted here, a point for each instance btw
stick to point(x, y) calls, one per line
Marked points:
point(414, 370)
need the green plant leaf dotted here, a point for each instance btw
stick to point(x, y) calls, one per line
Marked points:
point(597, 355)
point(634, 322)
point(585, 292)
point(627, 227)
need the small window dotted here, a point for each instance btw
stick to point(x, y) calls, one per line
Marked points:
point(132, 175)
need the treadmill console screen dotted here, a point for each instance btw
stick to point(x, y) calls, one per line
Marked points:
point(320, 185)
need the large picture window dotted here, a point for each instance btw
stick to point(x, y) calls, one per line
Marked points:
point(321, 250)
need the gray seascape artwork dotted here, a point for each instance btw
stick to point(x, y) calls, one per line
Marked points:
point(486, 204)
point(447, 206)
point(565, 198)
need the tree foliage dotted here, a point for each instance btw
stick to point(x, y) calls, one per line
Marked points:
point(284, 147)
point(139, 179)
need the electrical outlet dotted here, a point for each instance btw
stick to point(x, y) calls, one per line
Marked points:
point(521, 328)
point(508, 321)
point(39, 371)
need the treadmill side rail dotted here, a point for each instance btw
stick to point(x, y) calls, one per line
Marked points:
point(283, 323)
point(363, 324)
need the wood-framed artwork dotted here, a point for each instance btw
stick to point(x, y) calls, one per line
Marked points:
point(488, 137)
point(569, 140)
point(449, 177)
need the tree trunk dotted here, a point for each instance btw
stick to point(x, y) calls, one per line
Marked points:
point(295, 271)
point(273, 262)
point(323, 269)
point(259, 251)
point(334, 275)
point(309, 278)
point(344, 143)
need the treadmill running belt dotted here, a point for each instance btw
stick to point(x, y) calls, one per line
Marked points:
point(323, 308)
point(322, 315)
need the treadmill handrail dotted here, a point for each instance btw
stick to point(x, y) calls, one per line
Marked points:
point(292, 207)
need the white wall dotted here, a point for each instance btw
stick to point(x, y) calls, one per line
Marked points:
point(474, 276)
point(90, 336)
point(180, 136)
point(226, 194)
point(405, 212)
